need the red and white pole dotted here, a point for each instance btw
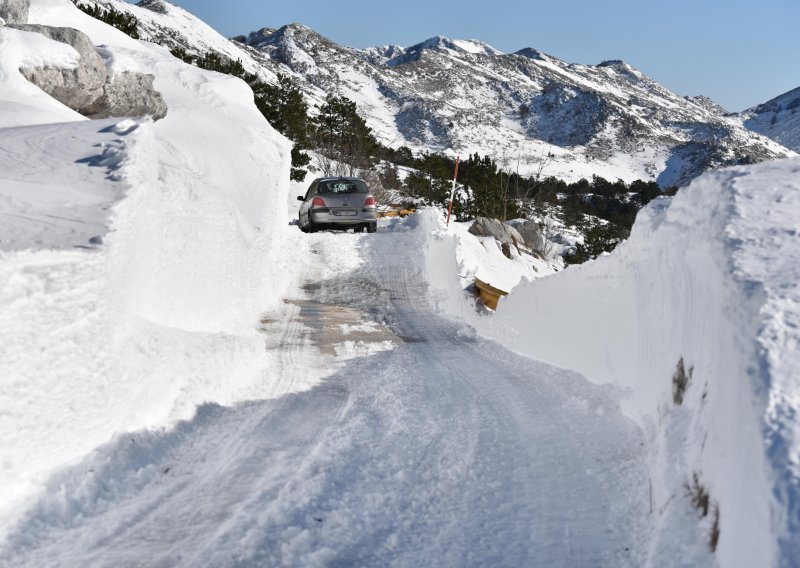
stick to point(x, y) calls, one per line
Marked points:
point(452, 191)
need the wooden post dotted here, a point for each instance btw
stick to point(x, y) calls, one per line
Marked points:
point(452, 191)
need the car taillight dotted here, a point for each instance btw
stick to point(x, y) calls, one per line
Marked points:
point(370, 202)
point(317, 202)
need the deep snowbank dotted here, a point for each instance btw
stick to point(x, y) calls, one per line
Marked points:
point(163, 315)
point(711, 278)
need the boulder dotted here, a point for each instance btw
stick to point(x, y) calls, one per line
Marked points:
point(502, 232)
point(75, 88)
point(14, 11)
point(128, 94)
point(532, 235)
point(88, 88)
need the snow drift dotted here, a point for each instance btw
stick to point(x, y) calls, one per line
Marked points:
point(141, 257)
point(708, 279)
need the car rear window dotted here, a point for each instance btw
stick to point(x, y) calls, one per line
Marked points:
point(337, 186)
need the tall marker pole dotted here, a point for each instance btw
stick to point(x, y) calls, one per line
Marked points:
point(452, 191)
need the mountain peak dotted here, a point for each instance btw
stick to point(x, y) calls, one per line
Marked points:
point(442, 43)
point(534, 54)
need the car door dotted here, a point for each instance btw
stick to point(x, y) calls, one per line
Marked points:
point(306, 204)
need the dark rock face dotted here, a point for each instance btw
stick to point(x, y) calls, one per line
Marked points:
point(567, 116)
point(75, 88)
point(88, 88)
point(154, 6)
point(15, 11)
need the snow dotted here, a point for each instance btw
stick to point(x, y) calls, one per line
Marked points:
point(163, 315)
point(711, 278)
point(475, 47)
point(204, 384)
point(45, 205)
point(777, 118)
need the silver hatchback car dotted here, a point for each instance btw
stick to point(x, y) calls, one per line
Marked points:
point(338, 203)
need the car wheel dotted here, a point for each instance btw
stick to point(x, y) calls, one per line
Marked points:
point(300, 224)
point(372, 227)
point(311, 227)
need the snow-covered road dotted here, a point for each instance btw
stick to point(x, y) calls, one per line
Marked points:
point(423, 445)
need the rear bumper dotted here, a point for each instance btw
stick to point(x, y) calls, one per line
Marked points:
point(325, 216)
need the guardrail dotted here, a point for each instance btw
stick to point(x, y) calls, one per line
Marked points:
point(488, 293)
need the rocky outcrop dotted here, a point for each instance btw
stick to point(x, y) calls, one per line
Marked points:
point(156, 6)
point(14, 11)
point(75, 88)
point(128, 94)
point(88, 88)
point(506, 235)
point(531, 233)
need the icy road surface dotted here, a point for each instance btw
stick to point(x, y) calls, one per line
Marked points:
point(423, 446)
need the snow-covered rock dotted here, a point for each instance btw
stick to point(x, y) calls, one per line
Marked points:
point(128, 94)
point(14, 11)
point(74, 86)
point(87, 87)
point(502, 232)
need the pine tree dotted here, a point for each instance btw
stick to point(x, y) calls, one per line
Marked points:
point(127, 23)
point(342, 135)
point(285, 108)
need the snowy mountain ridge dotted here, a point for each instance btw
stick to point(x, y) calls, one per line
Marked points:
point(463, 96)
point(778, 118)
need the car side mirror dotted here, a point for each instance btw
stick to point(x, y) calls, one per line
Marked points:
point(300, 198)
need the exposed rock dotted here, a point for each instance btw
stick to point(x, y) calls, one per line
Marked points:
point(158, 6)
point(75, 88)
point(128, 94)
point(14, 11)
point(503, 233)
point(88, 89)
point(531, 234)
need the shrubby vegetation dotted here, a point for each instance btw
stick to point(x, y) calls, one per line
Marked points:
point(286, 110)
point(126, 23)
point(604, 211)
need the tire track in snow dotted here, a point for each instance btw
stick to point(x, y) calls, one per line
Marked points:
point(446, 450)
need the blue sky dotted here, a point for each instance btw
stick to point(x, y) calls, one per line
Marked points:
point(739, 53)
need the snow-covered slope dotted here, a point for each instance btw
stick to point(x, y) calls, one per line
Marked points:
point(708, 282)
point(778, 119)
point(134, 328)
point(463, 96)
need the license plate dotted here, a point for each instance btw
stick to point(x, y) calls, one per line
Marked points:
point(345, 212)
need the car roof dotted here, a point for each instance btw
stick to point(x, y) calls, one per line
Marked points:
point(329, 178)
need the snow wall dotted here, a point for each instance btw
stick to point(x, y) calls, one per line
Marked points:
point(710, 278)
point(194, 243)
point(164, 315)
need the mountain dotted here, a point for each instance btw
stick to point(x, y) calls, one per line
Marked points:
point(528, 110)
point(778, 119)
